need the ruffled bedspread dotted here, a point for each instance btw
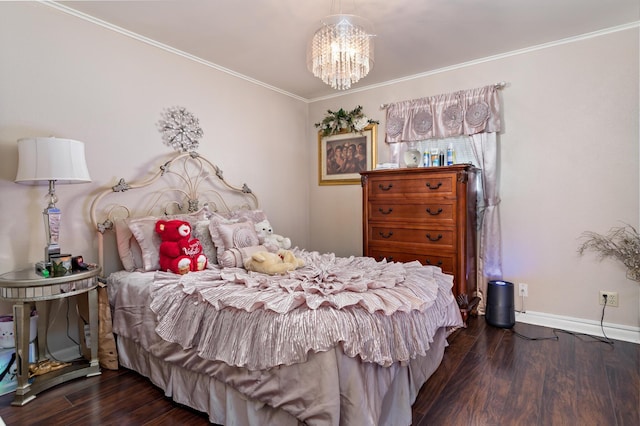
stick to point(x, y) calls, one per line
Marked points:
point(380, 312)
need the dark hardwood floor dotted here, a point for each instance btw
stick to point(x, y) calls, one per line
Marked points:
point(489, 376)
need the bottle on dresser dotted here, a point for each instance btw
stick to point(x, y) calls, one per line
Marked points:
point(450, 155)
point(426, 158)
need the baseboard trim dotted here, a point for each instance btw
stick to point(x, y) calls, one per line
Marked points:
point(580, 325)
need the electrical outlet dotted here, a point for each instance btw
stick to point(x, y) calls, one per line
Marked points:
point(523, 289)
point(612, 298)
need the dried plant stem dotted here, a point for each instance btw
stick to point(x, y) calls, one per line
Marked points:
point(620, 243)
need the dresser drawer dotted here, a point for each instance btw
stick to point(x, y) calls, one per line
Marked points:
point(444, 261)
point(424, 235)
point(388, 187)
point(436, 211)
point(425, 214)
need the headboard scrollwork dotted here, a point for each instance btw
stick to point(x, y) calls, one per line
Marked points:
point(186, 183)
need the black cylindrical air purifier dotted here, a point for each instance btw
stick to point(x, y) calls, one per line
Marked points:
point(500, 310)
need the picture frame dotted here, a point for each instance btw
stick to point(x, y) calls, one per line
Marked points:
point(357, 153)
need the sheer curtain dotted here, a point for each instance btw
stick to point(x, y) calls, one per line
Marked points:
point(485, 149)
point(474, 113)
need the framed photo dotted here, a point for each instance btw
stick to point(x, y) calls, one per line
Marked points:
point(341, 157)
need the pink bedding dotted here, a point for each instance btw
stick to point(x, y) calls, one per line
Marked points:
point(341, 341)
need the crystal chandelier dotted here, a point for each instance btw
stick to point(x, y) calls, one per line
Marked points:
point(341, 51)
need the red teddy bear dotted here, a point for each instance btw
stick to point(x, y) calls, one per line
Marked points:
point(179, 253)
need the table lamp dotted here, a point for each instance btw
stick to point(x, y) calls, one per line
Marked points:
point(47, 160)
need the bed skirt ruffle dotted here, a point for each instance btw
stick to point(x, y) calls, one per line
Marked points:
point(380, 312)
point(368, 394)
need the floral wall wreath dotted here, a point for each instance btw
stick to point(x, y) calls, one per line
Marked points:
point(180, 129)
point(344, 121)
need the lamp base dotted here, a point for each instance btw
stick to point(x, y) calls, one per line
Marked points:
point(52, 250)
point(52, 216)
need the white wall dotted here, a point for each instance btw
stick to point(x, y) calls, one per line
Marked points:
point(63, 76)
point(66, 77)
point(569, 163)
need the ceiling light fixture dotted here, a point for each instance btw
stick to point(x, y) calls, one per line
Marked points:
point(341, 51)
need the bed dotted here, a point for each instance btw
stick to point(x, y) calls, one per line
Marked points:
point(338, 341)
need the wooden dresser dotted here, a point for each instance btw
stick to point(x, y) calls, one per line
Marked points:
point(426, 214)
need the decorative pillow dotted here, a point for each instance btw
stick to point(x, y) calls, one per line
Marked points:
point(128, 248)
point(144, 231)
point(235, 257)
point(242, 215)
point(227, 235)
point(201, 232)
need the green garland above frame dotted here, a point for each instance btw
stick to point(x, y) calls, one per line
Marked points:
point(343, 121)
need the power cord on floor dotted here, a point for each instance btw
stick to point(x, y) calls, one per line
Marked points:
point(522, 336)
point(604, 339)
point(555, 331)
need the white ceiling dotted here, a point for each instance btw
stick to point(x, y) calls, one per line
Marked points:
point(266, 40)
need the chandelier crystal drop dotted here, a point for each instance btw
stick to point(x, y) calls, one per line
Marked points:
point(341, 52)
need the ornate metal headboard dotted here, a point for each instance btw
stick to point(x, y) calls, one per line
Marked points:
point(186, 183)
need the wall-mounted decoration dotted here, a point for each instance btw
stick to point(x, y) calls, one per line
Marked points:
point(344, 121)
point(180, 129)
point(342, 156)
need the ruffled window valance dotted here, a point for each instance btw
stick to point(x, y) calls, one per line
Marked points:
point(466, 112)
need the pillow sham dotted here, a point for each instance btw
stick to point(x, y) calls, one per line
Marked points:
point(201, 232)
point(226, 235)
point(242, 215)
point(235, 257)
point(143, 229)
point(128, 248)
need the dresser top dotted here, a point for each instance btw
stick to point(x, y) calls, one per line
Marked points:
point(417, 170)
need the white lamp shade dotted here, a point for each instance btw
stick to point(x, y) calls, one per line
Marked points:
point(44, 159)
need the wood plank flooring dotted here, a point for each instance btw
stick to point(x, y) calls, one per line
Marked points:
point(489, 376)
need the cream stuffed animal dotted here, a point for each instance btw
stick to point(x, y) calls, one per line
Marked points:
point(273, 263)
point(269, 239)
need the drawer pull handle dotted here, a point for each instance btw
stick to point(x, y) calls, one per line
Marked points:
point(385, 188)
point(439, 237)
point(434, 186)
point(428, 262)
point(385, 211)
point(432, 213)
point(383, 235)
